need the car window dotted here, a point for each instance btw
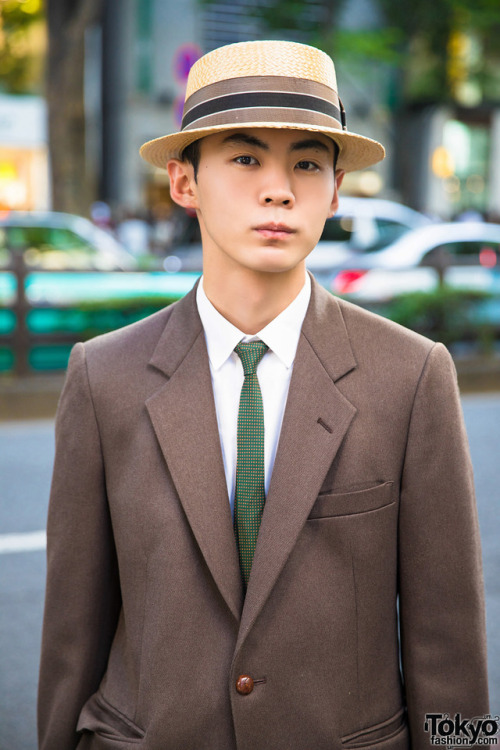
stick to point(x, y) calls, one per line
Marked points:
point(466, 252)
point(368, 235)
point(48, 247)
point(338, 229)
point(388, 231)
point(380, 233)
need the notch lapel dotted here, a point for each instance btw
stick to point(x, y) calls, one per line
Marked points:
point(185, 422)
point(317, 416)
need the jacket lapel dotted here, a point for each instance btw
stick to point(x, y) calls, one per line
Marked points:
point(185, 423)
point(316, 419)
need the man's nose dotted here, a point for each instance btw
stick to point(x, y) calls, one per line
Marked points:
point(277, 189)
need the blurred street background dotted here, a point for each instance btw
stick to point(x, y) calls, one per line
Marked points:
point(90, 239)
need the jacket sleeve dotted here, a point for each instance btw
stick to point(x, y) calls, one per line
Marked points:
point(441, 585)
point(82, 595)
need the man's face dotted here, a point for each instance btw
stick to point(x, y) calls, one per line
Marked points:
point(262, 197)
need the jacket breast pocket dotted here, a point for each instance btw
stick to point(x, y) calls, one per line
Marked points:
point(352, 503)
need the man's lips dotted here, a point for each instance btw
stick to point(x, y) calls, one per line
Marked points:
point(275, 231)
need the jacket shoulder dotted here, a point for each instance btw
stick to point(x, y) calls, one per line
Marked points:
point(382, 335)
point(386, 352)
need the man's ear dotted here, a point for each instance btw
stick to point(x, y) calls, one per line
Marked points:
point(339, 176)
point(182, 183)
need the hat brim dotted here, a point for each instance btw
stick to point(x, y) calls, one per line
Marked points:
point(355, 151)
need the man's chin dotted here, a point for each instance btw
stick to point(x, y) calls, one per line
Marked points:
point(276, 261)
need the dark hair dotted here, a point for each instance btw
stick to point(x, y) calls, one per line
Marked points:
point(192, 154)
point(336, 152)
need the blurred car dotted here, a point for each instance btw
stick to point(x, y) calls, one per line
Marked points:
point(456, 243)
point(361, 225)
point(78, 281)
point(58, 241)
point(466, 253)
point(65, 256)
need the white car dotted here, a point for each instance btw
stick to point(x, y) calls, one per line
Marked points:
point(361, 226)
point(468, 254)
point(58, 241)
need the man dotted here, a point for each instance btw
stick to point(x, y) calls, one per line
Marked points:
point(262, 531)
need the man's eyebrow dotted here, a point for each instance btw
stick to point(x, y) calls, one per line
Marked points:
point(246, 139)
point(308, 143)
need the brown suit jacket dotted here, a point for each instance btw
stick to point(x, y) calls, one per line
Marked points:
point(146, 630)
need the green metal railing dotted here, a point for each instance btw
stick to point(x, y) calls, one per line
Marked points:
point(43, 313)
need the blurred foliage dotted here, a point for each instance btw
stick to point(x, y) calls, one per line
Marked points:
point(449, 46)
point(291, 18)
point(133, 304)
point(439, 50)
point(22, 46)
point(446, 314)
point(296, 15)
point(355, 47)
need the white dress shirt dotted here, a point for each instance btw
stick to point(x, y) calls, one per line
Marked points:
point(274, 372)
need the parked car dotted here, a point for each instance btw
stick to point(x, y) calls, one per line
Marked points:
point(59, 241)
point(55, 245)
point(467, 253)
point(67, 297)
point(360, 226)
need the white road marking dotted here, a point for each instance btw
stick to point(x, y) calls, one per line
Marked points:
point(26, 542)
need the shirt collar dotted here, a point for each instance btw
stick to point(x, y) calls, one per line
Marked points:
point(281, 335)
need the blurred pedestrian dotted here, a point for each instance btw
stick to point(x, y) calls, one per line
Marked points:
point(100, 214)
point(133, 231)
point(162, 229)
point(470, 214)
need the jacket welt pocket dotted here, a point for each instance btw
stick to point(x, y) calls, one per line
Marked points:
point(393, 728)
point(103, 719)
point(352, 503)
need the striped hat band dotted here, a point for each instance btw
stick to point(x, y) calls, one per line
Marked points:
point(264, 99)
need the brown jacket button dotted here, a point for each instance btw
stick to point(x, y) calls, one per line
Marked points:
point(244, 684)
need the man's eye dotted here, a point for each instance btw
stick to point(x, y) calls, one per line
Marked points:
point(308, 166)
point(246, 160)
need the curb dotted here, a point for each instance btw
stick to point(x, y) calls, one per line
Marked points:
point(478, 374)
point(32, 397)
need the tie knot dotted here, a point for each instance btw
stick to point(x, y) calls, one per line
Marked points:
point(250, 354)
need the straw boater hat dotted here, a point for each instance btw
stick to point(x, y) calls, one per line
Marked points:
point(264, 84)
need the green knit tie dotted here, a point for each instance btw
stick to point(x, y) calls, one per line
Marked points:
point(250, 493)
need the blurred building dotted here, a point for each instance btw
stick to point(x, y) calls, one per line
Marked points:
point(24, 167)
point(462, 162)
point(24, 161)
point(443, 160)
point(447, 142)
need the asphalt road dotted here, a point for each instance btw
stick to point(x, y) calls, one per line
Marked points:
point(26, 453)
